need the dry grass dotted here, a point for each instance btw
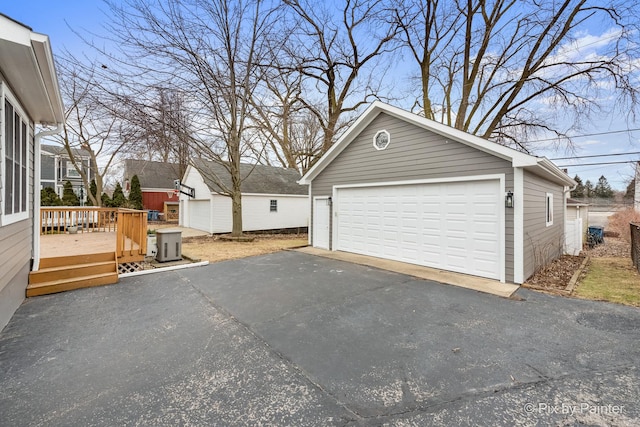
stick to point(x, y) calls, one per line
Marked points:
point(611, 279)
point(211, 249)
point(619, 222)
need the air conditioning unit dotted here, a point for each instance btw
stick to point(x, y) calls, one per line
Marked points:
point(169, 245)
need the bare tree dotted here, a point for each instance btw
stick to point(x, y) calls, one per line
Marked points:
point(89, 127)
point(292, 134)
point(504, 69)
point(209, 50)
point(336, 55)
point(160, 125)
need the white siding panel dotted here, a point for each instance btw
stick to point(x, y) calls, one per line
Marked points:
point(221, 215)
point(293, 211)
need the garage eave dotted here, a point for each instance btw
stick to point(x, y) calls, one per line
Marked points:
point(554, 173)
point(517, 158)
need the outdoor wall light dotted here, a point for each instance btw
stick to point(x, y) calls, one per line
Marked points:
point(508, 199)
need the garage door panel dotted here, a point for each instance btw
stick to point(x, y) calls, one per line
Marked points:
point(452, 226)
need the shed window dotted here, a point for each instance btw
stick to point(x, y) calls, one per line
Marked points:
point(15, 167)
point(273, 206)
point(549, 209)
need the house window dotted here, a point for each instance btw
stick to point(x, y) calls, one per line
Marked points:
point(15, 166)
point(381, 140)
point(273, 206)
point(71, 170)
point(549, 209)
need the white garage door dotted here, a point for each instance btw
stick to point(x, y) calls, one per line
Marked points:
point(200, 215)
point(453, 226)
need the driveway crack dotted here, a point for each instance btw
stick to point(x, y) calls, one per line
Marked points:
point(280, 356)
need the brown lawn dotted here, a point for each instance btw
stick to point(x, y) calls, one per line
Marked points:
point(212, 249)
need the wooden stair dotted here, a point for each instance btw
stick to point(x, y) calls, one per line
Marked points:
point(66, 273)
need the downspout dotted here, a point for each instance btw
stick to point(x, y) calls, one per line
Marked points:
point(36, 193)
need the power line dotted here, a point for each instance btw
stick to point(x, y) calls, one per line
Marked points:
point(586, 134)
point(595, 164)
point(596, 155)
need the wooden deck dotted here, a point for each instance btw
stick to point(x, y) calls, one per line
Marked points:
point(54, 245)
point(90, 257)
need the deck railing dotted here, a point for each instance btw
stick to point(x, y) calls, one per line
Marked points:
point(55, 220)
point(129, 225)
point(131, 239)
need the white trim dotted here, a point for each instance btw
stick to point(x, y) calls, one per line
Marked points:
point(548, 209)
point(163, 269)
point(310, 224)
point(375, 137)
point(518, 225)
point(491, 177)
point(24, 118)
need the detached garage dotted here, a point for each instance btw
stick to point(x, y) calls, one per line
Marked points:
point(402, 187)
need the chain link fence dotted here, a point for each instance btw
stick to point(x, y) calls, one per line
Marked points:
point(635, 244)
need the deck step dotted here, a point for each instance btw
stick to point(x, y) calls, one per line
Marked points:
point(76, 259)
point(55, 286)
point(70, 271)
point(59, 274)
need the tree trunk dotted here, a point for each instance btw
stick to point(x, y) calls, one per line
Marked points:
point(236, 207)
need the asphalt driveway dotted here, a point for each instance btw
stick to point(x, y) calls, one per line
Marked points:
point(294, 339)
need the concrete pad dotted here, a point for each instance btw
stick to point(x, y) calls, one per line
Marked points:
point(476, 283)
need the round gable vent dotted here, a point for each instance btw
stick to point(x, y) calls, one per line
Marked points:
point(381, 140)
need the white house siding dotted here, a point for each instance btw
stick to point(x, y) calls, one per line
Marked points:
point(221, 215)
point(541, 243)
point(414, 153)
point(293, 212)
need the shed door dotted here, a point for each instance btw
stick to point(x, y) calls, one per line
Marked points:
point(321, 213)
point(200, 215)
point(453, 226)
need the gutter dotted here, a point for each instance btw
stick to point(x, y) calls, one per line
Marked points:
point(36, 194)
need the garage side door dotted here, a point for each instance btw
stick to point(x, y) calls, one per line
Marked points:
point(452, 226)
point(200, 215)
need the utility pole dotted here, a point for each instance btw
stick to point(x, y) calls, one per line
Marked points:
point(636, 193)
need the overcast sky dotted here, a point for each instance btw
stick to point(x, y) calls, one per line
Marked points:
point(55, 21)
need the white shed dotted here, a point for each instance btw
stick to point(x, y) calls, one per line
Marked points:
point(271, 198)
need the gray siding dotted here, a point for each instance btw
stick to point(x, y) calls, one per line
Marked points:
point(16, 243)
point(413, 153)
point(15, 253)
point(542, 244)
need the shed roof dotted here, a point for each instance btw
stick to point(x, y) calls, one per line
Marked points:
point(152, 175)
point(539, 165)
point(258, 179)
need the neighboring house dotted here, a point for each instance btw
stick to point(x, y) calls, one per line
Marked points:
point(156, 182)
point(399, 186)
point(29, 96)
point(57, 168)
point(271, 199)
